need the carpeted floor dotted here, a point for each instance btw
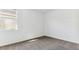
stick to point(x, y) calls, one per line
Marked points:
point(42, 43)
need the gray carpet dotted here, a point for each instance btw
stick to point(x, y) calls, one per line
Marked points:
point(42, 43)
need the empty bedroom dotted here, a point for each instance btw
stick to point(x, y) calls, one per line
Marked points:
point(39, 29)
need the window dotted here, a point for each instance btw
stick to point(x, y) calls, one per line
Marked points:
point(8, 19)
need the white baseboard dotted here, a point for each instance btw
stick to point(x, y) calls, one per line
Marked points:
point(73, 41)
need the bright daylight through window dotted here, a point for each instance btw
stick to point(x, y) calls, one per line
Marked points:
point(8, 19)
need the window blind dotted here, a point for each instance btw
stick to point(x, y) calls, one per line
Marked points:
point(8, 19)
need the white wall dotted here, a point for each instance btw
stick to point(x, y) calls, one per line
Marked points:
point(62, 24)
point(77, 24)
point(30, 25)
